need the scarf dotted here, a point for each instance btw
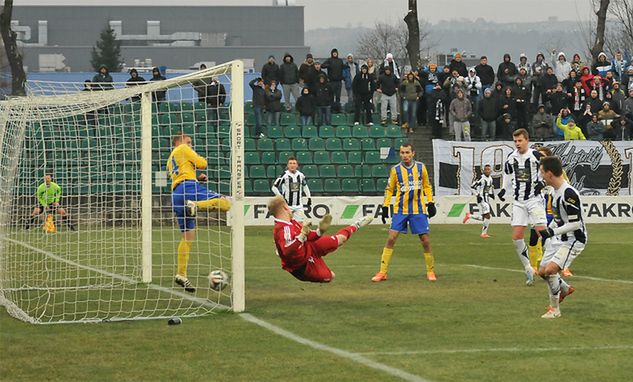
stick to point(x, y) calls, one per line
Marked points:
point(394, 67)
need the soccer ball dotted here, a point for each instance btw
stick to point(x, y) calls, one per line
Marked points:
point(218, 280)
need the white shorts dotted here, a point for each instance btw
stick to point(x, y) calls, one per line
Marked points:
point(484, 208)
point(561, 253)
point(297, 213)
point(529, 212)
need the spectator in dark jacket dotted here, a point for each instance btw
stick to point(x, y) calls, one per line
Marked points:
point(436, 113)
point(334, 66)
point(623, 128)
point(200, 86)
point(508, 103)
point(159, 95)
point(259, 103)
point(304, 69)
point(595, 129)
point(135, 80)
point(548, 83)
point(594, 103)
point(363, 87)
point(102, 80)
point(506, 71)
point(485, 72)
point(505, 127)
point(410, 91)
point(488, 113)
point(522, 97)
point(314, 73)
point(306, 106)
point(350, 71)
point(270, 71)
point(539, 68)
point(458, 64)
point(324, 96)
point(542, 124)
point(273, 104)
point(289, 78)
point(558, 100)
point(216, 96)
point(387, 86)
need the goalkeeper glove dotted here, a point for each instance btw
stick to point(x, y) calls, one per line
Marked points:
point(501, 194)
point(479, 199)
point(431, 210)
point(309, 202)
point(385, 214)
point(305, 230)
point(546, 233)
point(538, 188)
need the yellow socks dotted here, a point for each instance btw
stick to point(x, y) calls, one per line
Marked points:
point(429, 260)
point(218, 203)
point(384, 260)
point(184, 248)
point(535, 253)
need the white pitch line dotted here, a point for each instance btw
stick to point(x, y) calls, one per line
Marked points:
point(501, 350)
point(520, 271)
point(356, 357)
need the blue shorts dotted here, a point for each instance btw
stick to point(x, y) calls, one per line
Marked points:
point(188, 190)
point(418, 223)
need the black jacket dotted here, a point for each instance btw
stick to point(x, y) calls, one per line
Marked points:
point(270, 72)
point(363, 85)
point(288, 72)
point(506, 78)
point(306, 104)
point(489, 109)
point(216, 94)
point(511, 104)
point(486, 74)
point(460, 67)
point(388, 84)
point(334, 66)
point(273, 100)
point(558, 101)
point(259, 94)
point(312, 79)
point(548, 81)
point(324, 94)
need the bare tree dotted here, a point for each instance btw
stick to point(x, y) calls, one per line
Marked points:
point(413, 27)
point(598, 45)
point(391, 38)
point(621, 31)
point(14, 57)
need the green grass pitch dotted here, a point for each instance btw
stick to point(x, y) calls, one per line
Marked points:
point(478, 322)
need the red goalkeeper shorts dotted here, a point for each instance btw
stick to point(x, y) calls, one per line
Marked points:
point(315, 269)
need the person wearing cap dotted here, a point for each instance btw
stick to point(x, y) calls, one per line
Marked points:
point(507, 70)
point(488, 113)
point(460, 110)
point(571, 130)
point(457, 64)
point(289, 78)
point(304, 70)
point(334, 66)
point(485, 72)
point(524, 64)
point(270, 70)
point(560, 65)
point(606, 114)
point(541, 125)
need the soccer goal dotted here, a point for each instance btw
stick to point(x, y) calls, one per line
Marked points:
point(108, 250)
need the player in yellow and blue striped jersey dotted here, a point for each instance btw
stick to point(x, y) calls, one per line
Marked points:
point(187, 196)
point(412, 208)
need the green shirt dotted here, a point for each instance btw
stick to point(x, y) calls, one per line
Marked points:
point(49, 195)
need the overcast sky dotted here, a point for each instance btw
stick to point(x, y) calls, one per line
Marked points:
point(331, 13)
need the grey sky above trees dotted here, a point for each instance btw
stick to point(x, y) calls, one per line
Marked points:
point(330, 13)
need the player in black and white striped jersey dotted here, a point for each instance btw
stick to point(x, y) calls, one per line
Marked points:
point(292, 186)
point(566, 235)
point(484, 189)
point(522, 176)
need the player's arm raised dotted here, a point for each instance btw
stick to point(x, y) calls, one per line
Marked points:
point(389, 190)
point(428, 193)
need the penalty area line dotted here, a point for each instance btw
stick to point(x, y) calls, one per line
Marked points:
point(355, 357)
point(520, 271)
point(502, 350)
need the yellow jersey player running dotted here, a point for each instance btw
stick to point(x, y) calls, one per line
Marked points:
point(413, 207)
point(187, 196)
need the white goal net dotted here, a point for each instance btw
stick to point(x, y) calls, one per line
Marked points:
point(107, 249)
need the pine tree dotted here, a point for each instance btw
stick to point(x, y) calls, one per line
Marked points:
point(107, 52)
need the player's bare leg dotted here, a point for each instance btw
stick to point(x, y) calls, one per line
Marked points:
point(387, 251)
point(65, 218)
point(518, 233)
point(428, 257)
point(549, 273)
point(184, 249)
point(34, 217)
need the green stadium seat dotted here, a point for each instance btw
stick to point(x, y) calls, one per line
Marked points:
point(394, 132)
point(360, 131)
point(322, 157)
point(346, 171)
point(299, 144)
point(327, 171)
point(380, 170)
point(381, 183)
point(326, 132)
point(368, 144)
point(377, 132)
point(397, 142)
point(343, 132)
point(316, 144)
point(248, 186)
point(250, 145)
point(250, 119)
point(351, 144)
point(393, 159)
point(333, 144)
point(293, 132)
point(283, 157)
point(187, 116)
point(268, 157)
point(257, 172)
point(339, 157)
point(304, 157)
point(252, 158)
point(273, 171)
point(332, 186)
point(362, 171)
point(309, 132)
point(248, 105)
point(310, 171)
point(261, 186)
point(373, 157)
point(186, 105)
point(282, 144)
point(339, 119)
point(384, 142)
point(265, 144)
point(349, 185)
point(355, 158)
point(315, 185)
point(288, 119)
point(275, 132)
point(367, 186)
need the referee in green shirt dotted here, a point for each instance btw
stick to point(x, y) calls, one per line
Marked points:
point(49, 195)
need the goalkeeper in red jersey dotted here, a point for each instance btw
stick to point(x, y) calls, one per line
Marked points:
point(301, 248)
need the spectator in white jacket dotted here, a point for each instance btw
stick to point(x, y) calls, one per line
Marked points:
point(561, 66)
point(473, 86)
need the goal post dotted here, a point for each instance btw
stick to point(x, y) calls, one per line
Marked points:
point(111, 249)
